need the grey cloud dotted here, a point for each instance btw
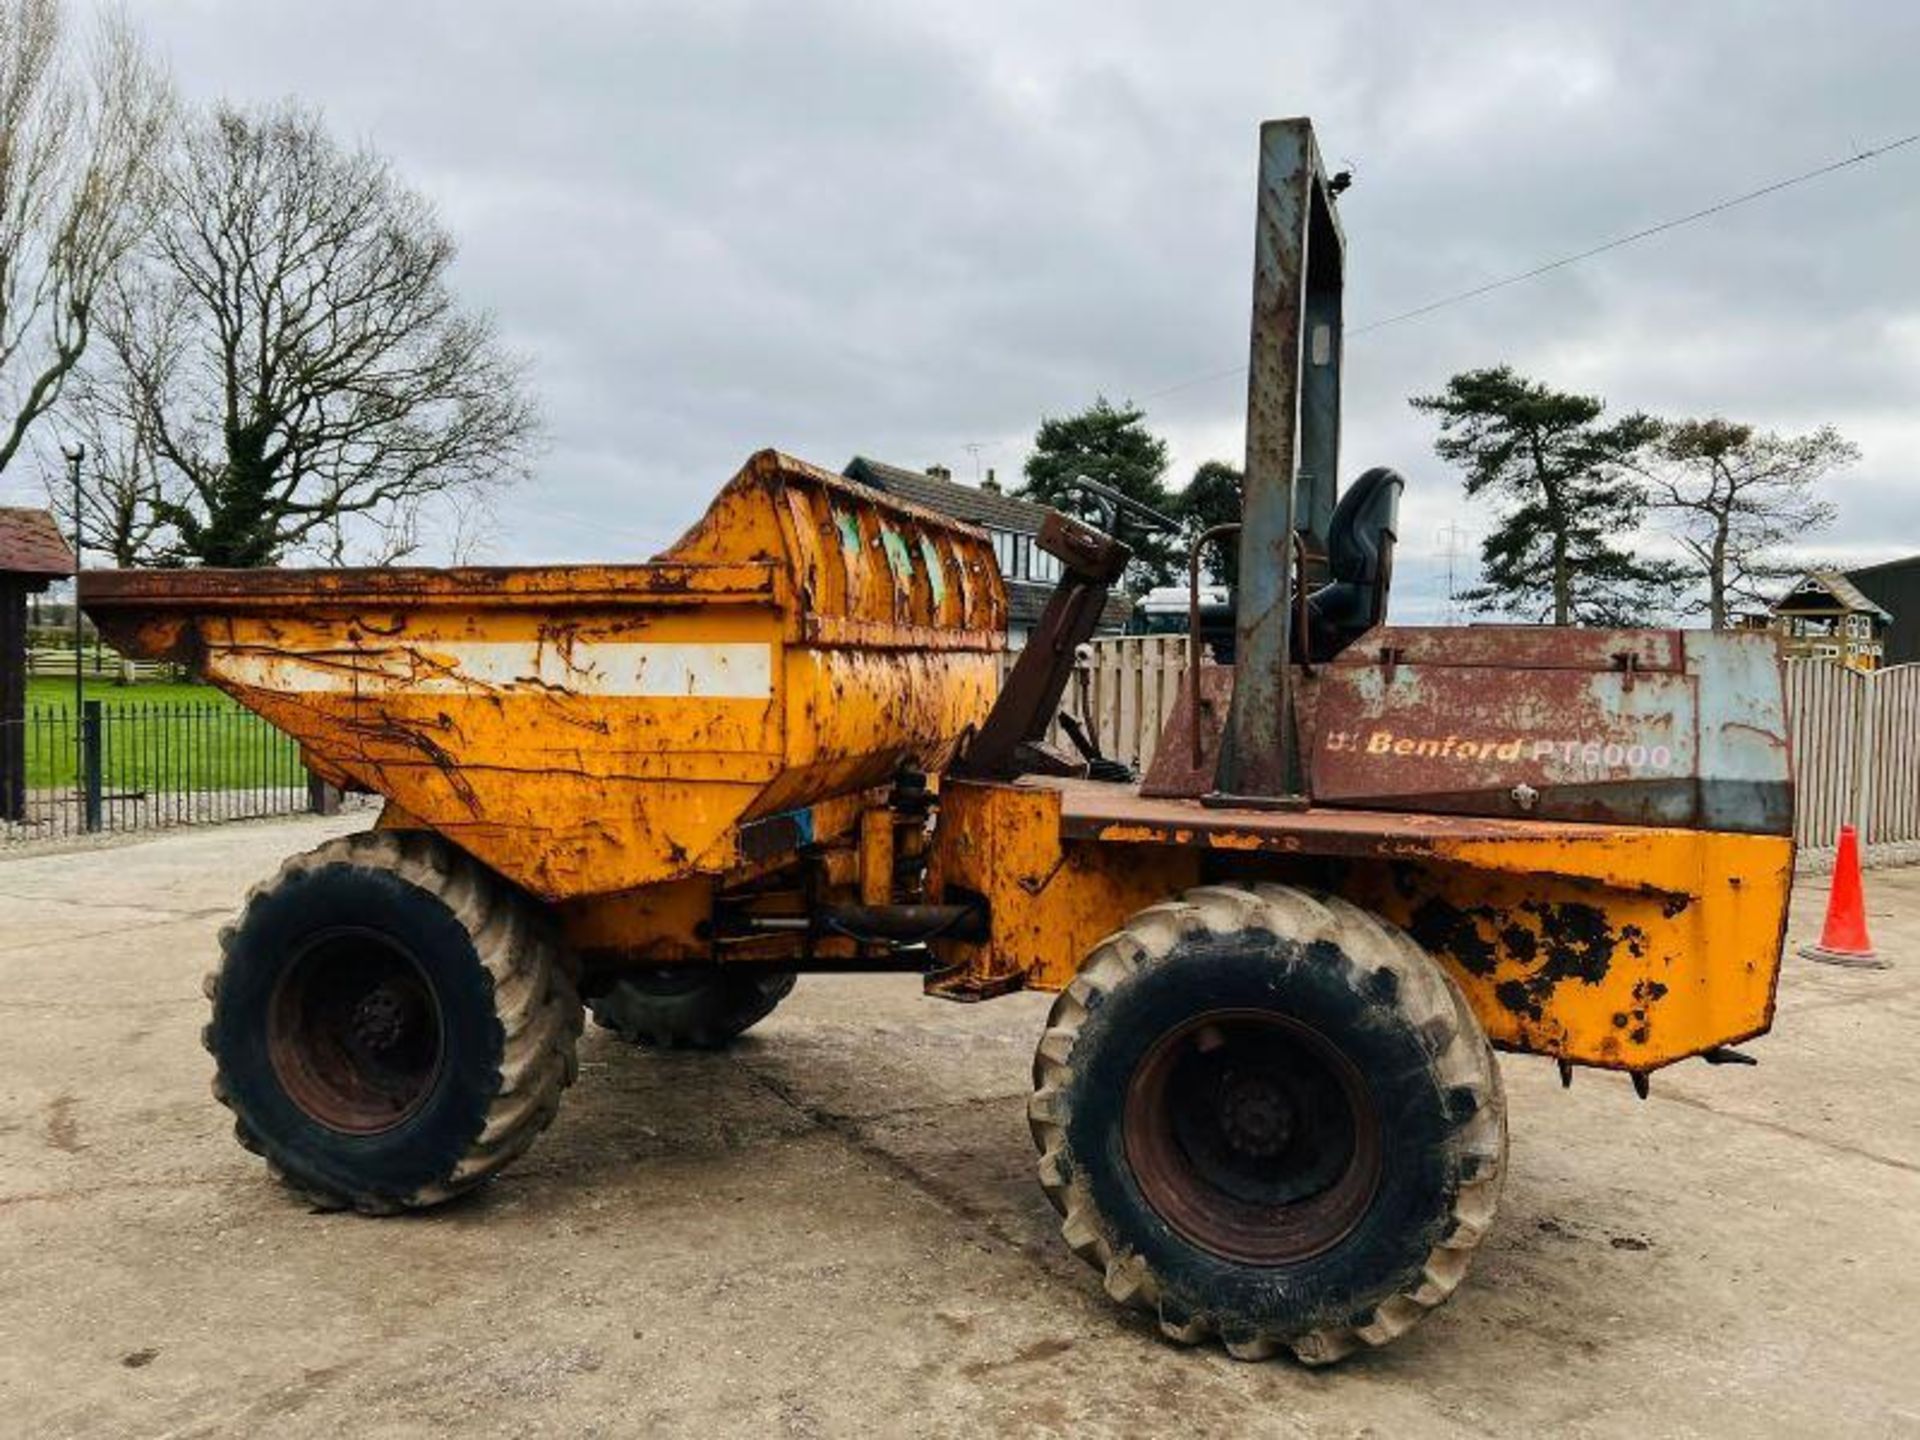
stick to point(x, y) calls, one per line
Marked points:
point(902, 229)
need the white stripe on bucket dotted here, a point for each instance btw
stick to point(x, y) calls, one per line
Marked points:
point(655, 669)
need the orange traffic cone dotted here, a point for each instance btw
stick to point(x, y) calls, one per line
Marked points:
point(1843, 939)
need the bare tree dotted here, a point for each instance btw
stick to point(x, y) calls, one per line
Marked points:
point(305, 380)
point(1734, 496)
point(79, 137)
point(124, 486)
point(473, 531)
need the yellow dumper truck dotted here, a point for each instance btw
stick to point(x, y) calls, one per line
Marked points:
point(1265, 1102)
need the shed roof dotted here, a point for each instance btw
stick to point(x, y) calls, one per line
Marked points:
point(31, 544)
point(1827, 592)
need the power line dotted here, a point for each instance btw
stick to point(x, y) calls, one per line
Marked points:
point(1858, 158)
point(1775, 188)
point(1189, 384)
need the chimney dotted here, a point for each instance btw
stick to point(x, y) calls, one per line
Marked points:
point(939, 472)
point(990, 483)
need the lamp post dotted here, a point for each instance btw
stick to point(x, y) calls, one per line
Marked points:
point(75, 454)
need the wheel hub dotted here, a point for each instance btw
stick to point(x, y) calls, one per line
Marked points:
point(380, 1020)
point(1255, 1116)
point(354, 1032)
point(1253, 1136)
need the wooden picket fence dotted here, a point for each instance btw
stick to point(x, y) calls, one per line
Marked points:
point(1123, 691)
point(1856, 751)
point(1855, 736)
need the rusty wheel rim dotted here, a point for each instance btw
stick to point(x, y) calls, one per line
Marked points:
point(1253, 1136)
point(354, 1032)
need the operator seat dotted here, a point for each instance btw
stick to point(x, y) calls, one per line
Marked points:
point(1360, 558)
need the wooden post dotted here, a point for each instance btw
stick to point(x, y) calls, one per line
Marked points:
point(92, 751)
point(322, 798)
point(13, 699)
point(1864, 732)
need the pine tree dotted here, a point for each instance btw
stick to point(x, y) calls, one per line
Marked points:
point(1215, 496)
point(1571, 500)
point(1112, 445)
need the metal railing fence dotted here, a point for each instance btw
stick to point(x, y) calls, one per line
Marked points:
point(144, 765)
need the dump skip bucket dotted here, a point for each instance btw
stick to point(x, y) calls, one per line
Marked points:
point(587, 729)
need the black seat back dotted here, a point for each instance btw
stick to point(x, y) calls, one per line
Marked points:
point(1360, 542)
point(1361, 535)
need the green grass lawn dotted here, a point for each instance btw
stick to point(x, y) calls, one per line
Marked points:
point(58, 694)
point(157, 738)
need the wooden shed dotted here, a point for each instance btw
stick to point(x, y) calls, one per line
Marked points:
point(1824, 616)
point(32, 556)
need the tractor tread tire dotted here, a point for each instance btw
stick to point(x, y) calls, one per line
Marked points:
point(709, 1016)
point(1381, 958)
point(534, 997)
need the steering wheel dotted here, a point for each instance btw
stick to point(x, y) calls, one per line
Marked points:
point(1113, 504)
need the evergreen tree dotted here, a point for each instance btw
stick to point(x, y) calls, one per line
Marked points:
point(1110, 444)
point(1571, 500)
point(1215, 496)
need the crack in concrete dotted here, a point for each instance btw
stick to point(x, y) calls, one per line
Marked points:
point(931, 1107)
point(1838, 1002)
point(848, 1131)
point(107, 1187)
point(1838, 1147)
point(140, 926)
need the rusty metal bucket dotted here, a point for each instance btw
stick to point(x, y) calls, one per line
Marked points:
point(589, 729)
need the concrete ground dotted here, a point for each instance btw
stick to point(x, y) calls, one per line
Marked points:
point(835, 1230)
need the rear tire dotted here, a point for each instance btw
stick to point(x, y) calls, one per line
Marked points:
point(392, 1023)
point(689, 1007)
point(1270, 1117)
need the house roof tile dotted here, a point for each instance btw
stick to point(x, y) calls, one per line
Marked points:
point(30, 544)
point(1025, 598)
point(964, 502)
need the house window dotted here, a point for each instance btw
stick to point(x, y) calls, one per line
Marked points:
point(1022, 556)
point(1045, 567)
point(1003, 551)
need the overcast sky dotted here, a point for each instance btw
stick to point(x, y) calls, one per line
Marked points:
point(898, 229)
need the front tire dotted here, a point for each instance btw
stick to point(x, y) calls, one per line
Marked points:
point(392, 1023)
point(1270, 1117)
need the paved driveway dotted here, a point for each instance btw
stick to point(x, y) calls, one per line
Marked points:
point(835, 1229)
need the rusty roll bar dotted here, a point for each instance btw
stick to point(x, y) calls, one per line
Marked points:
point(1300, 639)
point(1193, 615)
